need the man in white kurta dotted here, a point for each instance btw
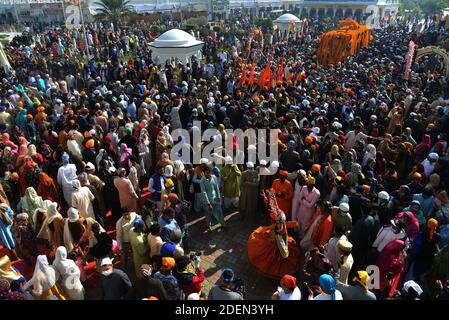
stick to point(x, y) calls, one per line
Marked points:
point(308, 198)
point(82, 200)
point(66, 175)
point(301, 175)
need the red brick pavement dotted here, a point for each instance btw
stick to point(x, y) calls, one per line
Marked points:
point(227, 249)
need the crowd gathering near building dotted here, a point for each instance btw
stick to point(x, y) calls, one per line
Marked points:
point(87, 176)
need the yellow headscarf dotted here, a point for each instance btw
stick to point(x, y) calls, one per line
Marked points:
point(361, 278)
point(6, 270)
point(335, 151)
point(310, 180)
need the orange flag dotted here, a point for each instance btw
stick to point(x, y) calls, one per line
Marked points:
point(272, 82)
point(243, 77)
point(264, 75)
point(251, 74)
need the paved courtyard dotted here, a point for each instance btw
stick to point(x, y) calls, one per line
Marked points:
point(220, 249)
point(227, 249)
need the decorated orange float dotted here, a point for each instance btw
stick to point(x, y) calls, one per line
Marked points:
point(271, 251)
point(337, 45)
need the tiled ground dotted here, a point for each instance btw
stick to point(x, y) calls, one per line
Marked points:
point(227, 249)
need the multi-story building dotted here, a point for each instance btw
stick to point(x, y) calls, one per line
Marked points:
point(348, 8)
point(51, 10)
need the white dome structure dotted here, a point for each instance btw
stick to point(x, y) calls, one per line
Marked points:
point(284, 22)
point(177, 44)
point(287, 17)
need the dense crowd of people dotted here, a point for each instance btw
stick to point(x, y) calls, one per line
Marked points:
point(86, 174)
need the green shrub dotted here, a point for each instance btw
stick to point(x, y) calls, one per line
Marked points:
point(265, 22)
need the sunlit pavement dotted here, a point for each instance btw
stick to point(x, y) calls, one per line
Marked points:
point(226, 248)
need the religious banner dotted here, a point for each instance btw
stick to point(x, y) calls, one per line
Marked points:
point(411, 52)
point(338, 44)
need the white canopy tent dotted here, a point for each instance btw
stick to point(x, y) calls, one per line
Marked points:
point(285, 20)
point(177, 44)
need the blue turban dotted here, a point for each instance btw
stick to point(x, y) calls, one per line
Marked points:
point(327, 283)
point(2, 107)
point(291, 144)
point(138, 222)
point(65, 159)
point(167, 249)
point(227, 275)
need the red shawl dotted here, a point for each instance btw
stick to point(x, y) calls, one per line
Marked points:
point(47, 188)
point(322, 230)
point(389, 261)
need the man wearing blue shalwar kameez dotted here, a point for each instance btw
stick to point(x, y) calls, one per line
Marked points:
point(6, 221)
point(211, 198)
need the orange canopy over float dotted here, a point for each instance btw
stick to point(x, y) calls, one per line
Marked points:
point(336, 45)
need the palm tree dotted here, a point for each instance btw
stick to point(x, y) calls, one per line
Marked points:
point(113, 9)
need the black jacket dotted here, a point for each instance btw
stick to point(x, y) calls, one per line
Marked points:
point(357, 204)
point(147, 287)
point(103, 247)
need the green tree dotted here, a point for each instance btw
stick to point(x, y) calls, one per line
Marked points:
point(433, 7)
point(113, 9)
point(264, 22)
point(417, 9)
point(406, 5)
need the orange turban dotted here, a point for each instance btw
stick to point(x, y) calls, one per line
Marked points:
point(431, 126)
point(417, 176)
point(316, 168)
point(366, 188)
point(168, 263)
point(408, 145)
point(86, 134)
point(308, 140)
point(173, 198)
point(15, 176)
point(90, 143)
point(283, 173)
point(432, 224)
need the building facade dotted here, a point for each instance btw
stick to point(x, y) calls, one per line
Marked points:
point(52, 10)
point(348, 8)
